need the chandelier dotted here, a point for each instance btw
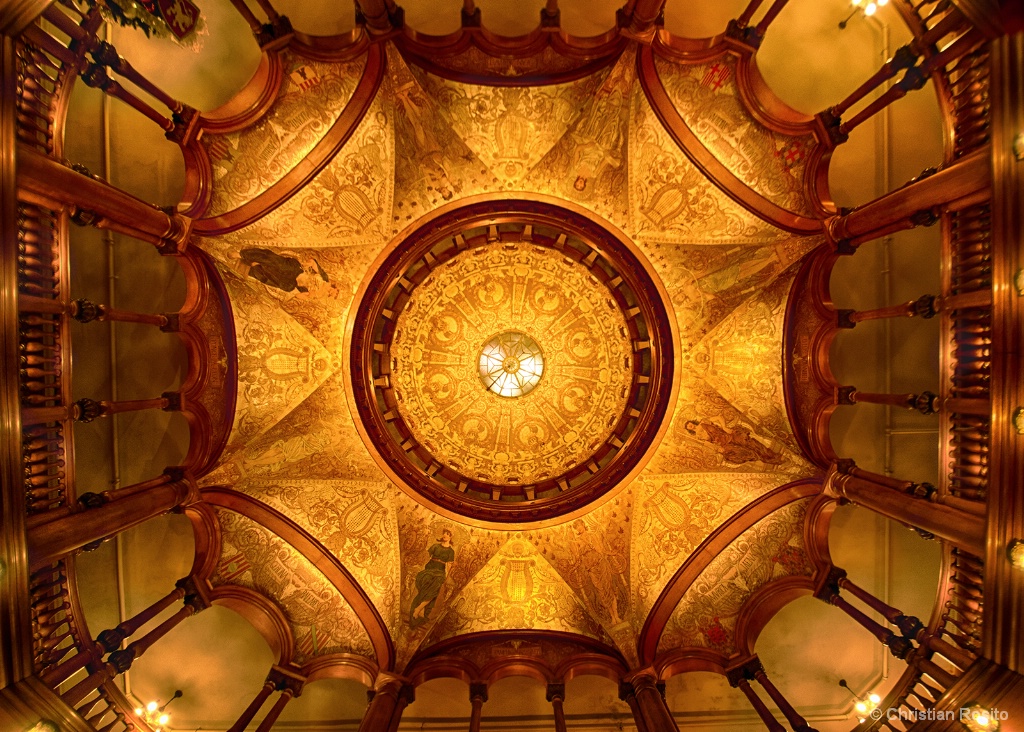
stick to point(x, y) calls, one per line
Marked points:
point(859, 6)
point(864, 705)
point(153, 713)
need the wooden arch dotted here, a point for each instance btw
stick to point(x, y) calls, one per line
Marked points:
point(707, 551)
point(312, 550)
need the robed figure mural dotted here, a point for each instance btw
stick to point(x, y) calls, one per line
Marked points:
point(431, 578)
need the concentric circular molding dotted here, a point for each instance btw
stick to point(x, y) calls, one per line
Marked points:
point(387, 313)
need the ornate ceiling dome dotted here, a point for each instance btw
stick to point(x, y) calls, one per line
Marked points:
point(511, 361)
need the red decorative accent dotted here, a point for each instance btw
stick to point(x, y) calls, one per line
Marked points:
point(313, 163)
point(716, 76)
point(716, 634)
point(705, 160)
point(181, 16)
point(705, 553)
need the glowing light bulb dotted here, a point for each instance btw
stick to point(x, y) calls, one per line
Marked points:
point(882, 2)
point(138, 710)
point(875, 698)
point(856, 3)
point(861, 707)
point(983, 720)
point(870, 9)
point(151, 707)
point(163, 719)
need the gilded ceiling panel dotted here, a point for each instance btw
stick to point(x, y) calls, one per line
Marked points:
point(592, 555)
point(509, 128)
point(322, 621)
point(741, 359)
point(710, 282)
point(349, 202)
point(314, 287)
point(771, 549)
point(518, 588)
point(354, 520)
point(433, 165)
point(312, 97)
point(279, 364)
point(587, 165)
point(317, 441)
point(707, 98)
point(439, 558)
point(673, 514)
point(586, 375)
point(670, 199)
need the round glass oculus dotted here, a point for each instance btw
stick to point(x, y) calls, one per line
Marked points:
point(511, 364)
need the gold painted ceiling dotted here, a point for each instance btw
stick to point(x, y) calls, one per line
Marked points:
point(294, 276)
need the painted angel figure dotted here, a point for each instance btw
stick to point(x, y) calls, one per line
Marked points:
point(431, 578)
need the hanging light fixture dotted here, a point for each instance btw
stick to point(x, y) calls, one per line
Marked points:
point(153, 713)
point(978, 719)
point(863, 705)
point(868, 8)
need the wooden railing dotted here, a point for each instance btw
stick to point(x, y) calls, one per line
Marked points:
point(44, 369)
point(945, 648)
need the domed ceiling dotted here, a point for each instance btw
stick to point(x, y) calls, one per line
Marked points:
point(381, 224)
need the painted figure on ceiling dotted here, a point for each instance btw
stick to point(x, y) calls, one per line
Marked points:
point(284, 273)
point(431, 578)
point(737, 446)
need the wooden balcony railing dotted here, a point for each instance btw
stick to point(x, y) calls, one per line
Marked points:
point(946, 647)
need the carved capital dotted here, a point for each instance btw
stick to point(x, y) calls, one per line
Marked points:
point(84, 311)
point(93, 500)
point(846, 395)
point(898, 646)
point(106, 55)
point(926, 402)
point(111, 639)
point(173, 324)
point(909, 625)
point(913, 79)
point(829, 590)
point(832, 122)
point(924, 306)
point(479, 691)
point(271, 34)
point(95, 76)
point(86, 410)
point(176, 239)
point(550, 21)
point(744, 34)
point(82, 216)
point(924, 217)
point(174, 401)
point(555, 691)
point(904, 58)
point(844, 319)
point(122, 660)
point(186, 124)
point(472, 20)
point(925, 491)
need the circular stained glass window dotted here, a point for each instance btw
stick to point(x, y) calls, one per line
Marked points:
point(511, 364)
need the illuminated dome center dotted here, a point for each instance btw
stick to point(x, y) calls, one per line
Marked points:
point(511, 364)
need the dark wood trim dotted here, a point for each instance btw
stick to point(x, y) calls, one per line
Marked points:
point(341, 666)
point(712, 168)
point(699, 559)
point(251, 102)
point(763, 604)
point(314, 162)
point(308, 546)
point(15, 623)
point(445, 659)
point(263, 614)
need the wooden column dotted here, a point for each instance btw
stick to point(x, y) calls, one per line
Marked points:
point(769, 16)
point(64, 531)
point(254, 706)
point(899, 646)
point(797, 722)
point(926, 402)
point(910, 503)
point(121, 660)
point(651, 704)
point(640, 18)
point(738, 680)
point(628, 694)
point(387, 701)
point(556, 695)
point(957, 186)
point(47, 182)
point(477, 697)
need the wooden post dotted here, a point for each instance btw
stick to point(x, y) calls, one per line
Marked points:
point(387, 702)
point(556, 695)
point(797, 722)
point(254, 706)
point(738, 680)
point(908, 503)
point(63, 531)
point(477, 697)
point(628, 694)
point(957, 186)
point(47, 182)
point(651, 704)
